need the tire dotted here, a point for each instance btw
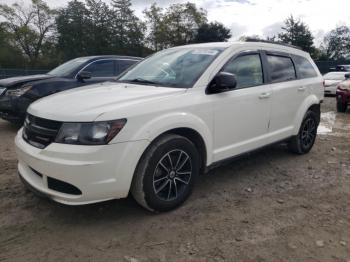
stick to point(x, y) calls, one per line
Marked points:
point(305, 139)
point(166, 173)
point(341, 107)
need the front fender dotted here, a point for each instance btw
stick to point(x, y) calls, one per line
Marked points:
point(164, 123)
point(308, 102)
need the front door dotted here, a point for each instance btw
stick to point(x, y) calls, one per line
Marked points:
point(241, 116)
point(101, 71)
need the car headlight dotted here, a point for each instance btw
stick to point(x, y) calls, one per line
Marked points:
point(19, 91)
point(94, 133)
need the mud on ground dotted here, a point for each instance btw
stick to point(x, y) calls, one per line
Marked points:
point(268, 206)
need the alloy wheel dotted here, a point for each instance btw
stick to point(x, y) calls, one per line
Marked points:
point(308, 132)
point(172, 175)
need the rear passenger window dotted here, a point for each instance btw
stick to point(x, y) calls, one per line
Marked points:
point(305, 68)
point(248, 70)
point(281, 68)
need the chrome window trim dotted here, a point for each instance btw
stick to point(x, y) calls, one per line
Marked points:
point(103, 59)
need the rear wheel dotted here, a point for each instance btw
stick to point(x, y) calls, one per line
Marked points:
point(305, 139)
point(341, 107)
point(166, 173)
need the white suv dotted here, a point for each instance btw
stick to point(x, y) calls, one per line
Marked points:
point(166, 120)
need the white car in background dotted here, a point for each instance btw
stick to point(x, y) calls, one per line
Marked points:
point(331, 81)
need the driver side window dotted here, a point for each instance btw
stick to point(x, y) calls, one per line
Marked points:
point(247, 69)
point(101, 68)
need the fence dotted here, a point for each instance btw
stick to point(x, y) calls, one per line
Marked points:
point(323, 66)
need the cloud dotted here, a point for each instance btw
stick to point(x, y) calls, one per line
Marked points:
point(319, 36)
point(237, 30)
point(273, 29)
point(238, 1)
point(147, 3)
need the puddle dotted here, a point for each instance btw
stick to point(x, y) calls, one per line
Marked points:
point(327, 123)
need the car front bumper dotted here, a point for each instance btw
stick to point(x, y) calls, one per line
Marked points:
point(13, 108)
point(99, 173)
point(330, 90)
point(343, 96)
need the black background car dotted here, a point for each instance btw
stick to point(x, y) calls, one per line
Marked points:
point(345, 68)
point(17, 93)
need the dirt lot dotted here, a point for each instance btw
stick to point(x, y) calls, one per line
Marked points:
point(268, 206)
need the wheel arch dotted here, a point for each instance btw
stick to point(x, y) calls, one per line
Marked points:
point(187, 125)
point(310, 103)
point(195, 138)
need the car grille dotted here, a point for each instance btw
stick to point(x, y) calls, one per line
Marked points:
point(40, 132)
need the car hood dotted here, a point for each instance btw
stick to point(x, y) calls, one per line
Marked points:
point(331, 82)
point(87, 103)
point(13, 81)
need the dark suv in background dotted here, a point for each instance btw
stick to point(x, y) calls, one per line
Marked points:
point(17, 93)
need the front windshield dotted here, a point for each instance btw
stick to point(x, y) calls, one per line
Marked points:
point(173, 67)
point(68, 67)
point(334, 76)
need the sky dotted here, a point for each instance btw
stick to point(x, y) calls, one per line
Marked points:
point(257, 17)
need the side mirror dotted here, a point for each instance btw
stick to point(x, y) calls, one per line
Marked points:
point(84, 75)
point(222, 82)
point(347, 76)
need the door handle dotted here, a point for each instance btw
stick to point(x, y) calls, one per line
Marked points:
point(302, 88)
point(264, 95)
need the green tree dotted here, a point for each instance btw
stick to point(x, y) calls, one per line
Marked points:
point(128, 29)
point(10, 56)
point(320, 54)
point(212, 32)
point(296, 32)
point(182, 23)
point(337, 43)
point(31, 27)
point(100, 31)
point(73, 25)
point(157, 35)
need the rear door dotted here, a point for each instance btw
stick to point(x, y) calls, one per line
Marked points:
point(288, 93)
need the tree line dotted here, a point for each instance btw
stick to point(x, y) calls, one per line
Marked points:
point(38, 36)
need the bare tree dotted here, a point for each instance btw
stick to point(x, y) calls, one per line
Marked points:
point(31, 26)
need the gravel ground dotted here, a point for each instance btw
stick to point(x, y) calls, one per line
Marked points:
point(268, 206)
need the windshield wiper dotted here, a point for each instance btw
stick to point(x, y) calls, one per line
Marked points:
point(143, 81)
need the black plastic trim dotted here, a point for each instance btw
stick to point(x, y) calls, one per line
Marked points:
point(63, 187)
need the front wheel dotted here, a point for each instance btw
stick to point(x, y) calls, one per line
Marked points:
point(341, 107)
point(166, 173)
point(305, 139)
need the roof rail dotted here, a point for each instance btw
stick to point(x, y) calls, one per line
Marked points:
point(249, 39)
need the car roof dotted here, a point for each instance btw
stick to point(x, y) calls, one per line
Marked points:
point(250, 44)
point(111, 56)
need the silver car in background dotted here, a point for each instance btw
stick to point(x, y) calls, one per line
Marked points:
point(332, 79)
